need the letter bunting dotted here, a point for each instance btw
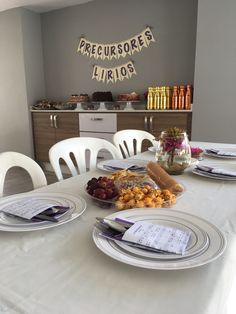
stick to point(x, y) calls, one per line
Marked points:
point(111, 75)
point(116, 51)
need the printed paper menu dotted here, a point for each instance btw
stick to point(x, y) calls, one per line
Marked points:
point(160, 237)
point(27, 207)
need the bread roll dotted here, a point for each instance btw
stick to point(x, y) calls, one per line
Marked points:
point(162, 178)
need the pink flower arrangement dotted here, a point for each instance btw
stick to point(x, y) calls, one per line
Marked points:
point(196, 151)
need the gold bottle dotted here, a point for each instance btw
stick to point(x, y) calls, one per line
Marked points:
point(163, 98)
point(150, 98)
point(155, 95)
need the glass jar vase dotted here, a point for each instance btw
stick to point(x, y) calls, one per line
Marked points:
point(173, 152)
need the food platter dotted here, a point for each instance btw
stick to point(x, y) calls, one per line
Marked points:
point(207, 243)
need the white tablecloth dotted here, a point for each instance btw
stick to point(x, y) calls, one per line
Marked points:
point(60, 270)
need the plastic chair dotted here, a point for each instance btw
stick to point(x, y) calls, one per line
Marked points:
point(130, 141)
point(14, 159)
point(74, 152)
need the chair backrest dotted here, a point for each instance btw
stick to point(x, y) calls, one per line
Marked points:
point(14, 159)
point(76, 148)
point(130, 141)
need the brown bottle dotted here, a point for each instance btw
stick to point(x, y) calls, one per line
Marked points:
point(175, 98)
point(168, 98)
point(181, 104)
point(188, 97)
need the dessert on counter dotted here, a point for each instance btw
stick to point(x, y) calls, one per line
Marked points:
point(128, 97)
point(74, 98)
point(102, 96)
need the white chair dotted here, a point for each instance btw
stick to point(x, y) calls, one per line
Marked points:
point(130, 141)
point(14, 159)
point(76, 149)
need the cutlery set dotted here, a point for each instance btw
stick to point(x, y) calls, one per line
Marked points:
point(51, 214)
point(115, 229)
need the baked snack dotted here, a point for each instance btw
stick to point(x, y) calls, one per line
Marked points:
point(78, 98)
point(102, 96)
point(123, 97)
point(128, 97)
point(162, 178)
point(134, 96)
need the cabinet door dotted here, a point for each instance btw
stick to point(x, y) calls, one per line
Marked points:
point(163, 120)
point(66, 125)
point(136, 121)
point(50, 128)
point(43, 134)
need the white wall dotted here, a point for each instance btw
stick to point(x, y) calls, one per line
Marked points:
point(21, 77)
point(214, 112)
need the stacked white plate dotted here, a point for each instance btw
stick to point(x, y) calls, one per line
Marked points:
point(206, 244)
point(226, 153)
point(76, 204)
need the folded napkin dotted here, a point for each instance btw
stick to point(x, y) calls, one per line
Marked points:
point(216, 171)
point(119, 165)
point(221, 152)
point(148, 236)
point(34, 209)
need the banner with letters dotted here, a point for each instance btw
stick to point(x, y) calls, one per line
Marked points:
point(116, 50)
point(111, 75)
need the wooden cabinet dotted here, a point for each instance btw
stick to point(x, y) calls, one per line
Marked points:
point(50, 128)
point(155, 122)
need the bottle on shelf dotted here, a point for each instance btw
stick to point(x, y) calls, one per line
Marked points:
point(188, 97)
point(155, 95)
point(158, 97)
point(181, 104)
point(175, 98)
point(168, 97)
point(150, 98)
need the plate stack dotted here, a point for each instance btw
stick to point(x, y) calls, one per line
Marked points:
point(206, 243)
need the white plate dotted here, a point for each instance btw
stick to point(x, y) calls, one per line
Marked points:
point(138, 162)
point(228, 167)
point(76, 203)
point(233, 150)
point(207, 251)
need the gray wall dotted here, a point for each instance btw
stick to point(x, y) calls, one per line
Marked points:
point(215, 72)
point(168, 61)
point(21, 80)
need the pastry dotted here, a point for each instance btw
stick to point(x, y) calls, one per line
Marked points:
point(162, 178)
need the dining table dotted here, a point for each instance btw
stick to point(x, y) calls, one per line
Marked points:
point(61, 270)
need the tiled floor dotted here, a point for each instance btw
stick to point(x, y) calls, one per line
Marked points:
point(18, 181)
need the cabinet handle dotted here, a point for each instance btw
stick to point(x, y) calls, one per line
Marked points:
point(145, 123)
point(55, 121)
point(51, 120)
point(96, 119)
point(151, 123)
